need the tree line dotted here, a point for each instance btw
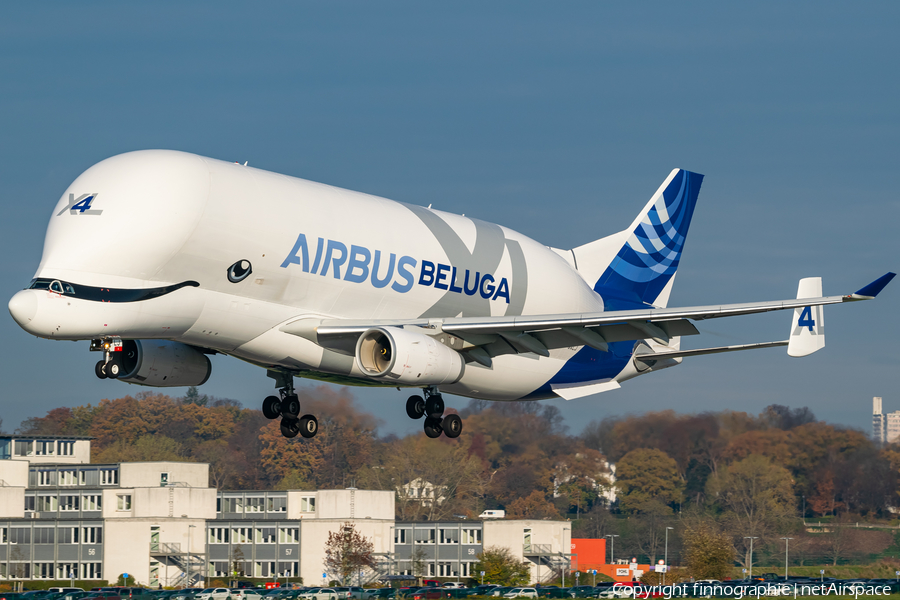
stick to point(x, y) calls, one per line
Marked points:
point(751, 476)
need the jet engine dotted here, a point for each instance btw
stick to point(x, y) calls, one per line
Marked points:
point(161, 363)
point(406, 356)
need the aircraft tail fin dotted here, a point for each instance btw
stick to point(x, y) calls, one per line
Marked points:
point(637, 265)
point(808, 323)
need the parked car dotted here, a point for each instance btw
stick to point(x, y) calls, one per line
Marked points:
point(103, 596)
point(499, 591)
point(581, 591)
point(214, 594)
point(523, 592)
point(319, 594)
point(244, 594)
point(10, 596)
point(551, 591)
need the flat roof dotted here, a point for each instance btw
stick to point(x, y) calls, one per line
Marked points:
point(45, 437)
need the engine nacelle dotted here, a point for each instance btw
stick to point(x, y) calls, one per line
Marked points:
point(405, 356)
point(161, 363)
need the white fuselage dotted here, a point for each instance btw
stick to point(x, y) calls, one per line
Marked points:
point(159, 218)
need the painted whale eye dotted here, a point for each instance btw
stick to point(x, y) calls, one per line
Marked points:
point(239, 271)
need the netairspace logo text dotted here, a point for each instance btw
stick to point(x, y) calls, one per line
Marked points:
point(749, 591)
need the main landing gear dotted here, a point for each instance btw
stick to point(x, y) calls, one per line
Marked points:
point(287, 406)
point(111, 365)
point(432, 408)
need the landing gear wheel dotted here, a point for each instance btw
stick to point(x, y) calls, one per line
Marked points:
point(452, 426)
point(100, 370)
point(113, 369)
point(433, 427)
point(290, 407)
point(309, 426)
point(289, 428)
point(271, 407)
point(415, 407)
point(434, 406)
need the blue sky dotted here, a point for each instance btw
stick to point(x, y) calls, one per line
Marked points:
point(558, 120)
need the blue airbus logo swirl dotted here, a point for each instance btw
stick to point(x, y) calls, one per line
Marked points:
point(650, 257)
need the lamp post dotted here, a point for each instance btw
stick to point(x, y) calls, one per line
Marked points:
point(667, 555)
point(786, 542)
point(612, 548)
point(747, 537)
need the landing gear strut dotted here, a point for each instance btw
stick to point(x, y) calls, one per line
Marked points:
point(110, 367)
point(287, 406)
point(432, 408)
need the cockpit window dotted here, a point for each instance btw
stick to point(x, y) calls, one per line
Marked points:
point(96, 294)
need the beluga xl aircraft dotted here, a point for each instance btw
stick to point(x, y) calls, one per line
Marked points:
point(304, 279)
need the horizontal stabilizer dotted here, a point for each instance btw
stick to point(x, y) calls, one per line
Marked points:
point(701, 351)
point(808, 324)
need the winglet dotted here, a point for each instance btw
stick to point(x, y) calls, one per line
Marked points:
point(808, 324)
point(874, 288)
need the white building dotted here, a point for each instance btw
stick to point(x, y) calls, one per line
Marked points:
point(879, 422)
point(161, 523)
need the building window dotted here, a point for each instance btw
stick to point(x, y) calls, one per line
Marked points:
point(66, 570)
point(92, 535)
point(109, 477)
point(218, 535)
point(19, 570)
point(431, 569)
point(47, 504)
point(401, 536)
point(464, 569)
point(277, 504)
point(91, 571)
point(3, 535)
point(263, 569)
point(254, 505)
point(265, 535)
point(219, 505)
point(67, 477)
point(24, 448)
point(241, 535)
point(218, 568)
point(67, 535)
point(425, 536)
point(471, 536)
point(446, 570)
point(308, 504)
point(448, 536)
point(288, 535)
point(234, 505)
point(82, 477)
point(44, 535)
point(123, 502)
point(66, 448)
point(68, 503)
point(5, 453)
point(29, 503)
point(92, 502)
point(288, 569)
point(44, 448)
point(46, 477)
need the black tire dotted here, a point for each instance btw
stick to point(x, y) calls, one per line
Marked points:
point(290, 407)
point(100, 370)
point(309, 426)
point(415, 407)
point(271, 407)
point(452, 426)
point(289, 428)
point(433, 427)
point(113, 369)
point(434, 406)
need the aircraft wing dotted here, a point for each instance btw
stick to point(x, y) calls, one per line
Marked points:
point(483, 337)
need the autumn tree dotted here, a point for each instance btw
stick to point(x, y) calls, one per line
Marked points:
point(347, 553)
point(708, 553)
point(756, 498)
point(535, 506)
point(646, 475)
point(501, 567)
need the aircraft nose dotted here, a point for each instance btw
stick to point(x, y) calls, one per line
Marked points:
point(23, 307)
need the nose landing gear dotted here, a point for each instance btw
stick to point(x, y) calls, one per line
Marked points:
point(287, 406)
point(111, 366)
point(432, 408)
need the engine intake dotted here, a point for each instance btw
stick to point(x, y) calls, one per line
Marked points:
point(161, 363)
point(404, 356)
